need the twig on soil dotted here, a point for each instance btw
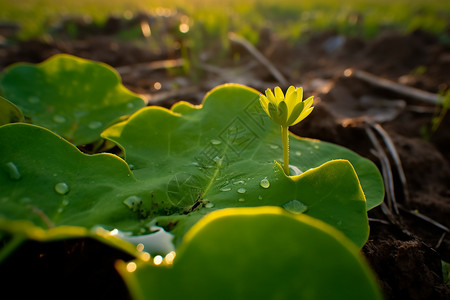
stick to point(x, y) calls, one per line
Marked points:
point(393, 86)
point(260, 57)
point(426, 218)
point(379, 221)
point(386, 169)
point(394, 154)
point(440, 240)
point(151, 66)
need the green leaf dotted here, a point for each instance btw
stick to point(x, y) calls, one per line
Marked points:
point(187, 163)
point(227, 147)
point(47, 181)
point(18, 232)
point(73, 97)
point(257, 253)
point(9, 113)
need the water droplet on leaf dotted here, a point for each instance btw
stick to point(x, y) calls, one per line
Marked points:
point(241, 191)
point(298, 153)
point(259, 197)
point(274, 146)
point(59, 119)
point(241, 199)
point(34, 99)
point(239, 182)
point(133, 202)
point(225, 189)
point(216, 142)
point(13, 171)
point(95, 125)
point(209, 205)
point(217, 160)
point(265, 183)
point(294, 171)
point(62, 188)
point(295, 207)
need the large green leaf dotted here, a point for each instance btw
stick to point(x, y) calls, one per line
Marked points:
point(9, 113)
point(51, 183)
point(258, 253)
point(186, 163)
point(223, 152)
point(46, 180)
point(73, 97)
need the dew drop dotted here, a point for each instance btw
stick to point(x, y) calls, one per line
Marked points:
point(209, 205)
point(316, 147)
point(294, 171)
point(130, 105)
point(95, 125)
point(59, 119)
point(33, 99)
point(295, 207)
point(239, 182)
point(13, 171)
point(216, 142)
point(217, 160)
point(259, 197)
point(274, 146)
point(241, 199)
point(298, 153)
point(62, 188)
point(265, 183)
point(241, 191)
point(65, 202)
point(225, 189)
point(25, 200)
point(133, 202)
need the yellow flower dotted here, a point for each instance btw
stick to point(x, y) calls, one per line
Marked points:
point(286, 110)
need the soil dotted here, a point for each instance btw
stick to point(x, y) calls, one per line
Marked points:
point(405, 248)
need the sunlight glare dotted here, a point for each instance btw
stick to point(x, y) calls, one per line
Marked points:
point(170, 257)
point(131, 267)
point(158, 260)
point(184, 27)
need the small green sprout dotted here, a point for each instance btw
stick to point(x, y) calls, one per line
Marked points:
point(286, 110)
point(444, 106)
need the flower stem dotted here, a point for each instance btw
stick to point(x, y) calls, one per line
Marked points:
point(285, 137)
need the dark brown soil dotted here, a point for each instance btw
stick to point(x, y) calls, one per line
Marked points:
point(404, 249)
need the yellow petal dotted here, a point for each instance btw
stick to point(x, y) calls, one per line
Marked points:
point(271, 97)
point(291, 98)
point(279, 96)
point(303, 115)
point(308, 102)
point(299, 91)
point(264, 103)
point(295, 113)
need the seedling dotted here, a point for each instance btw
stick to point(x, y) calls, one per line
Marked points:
point(188, 162)
point(287, 111)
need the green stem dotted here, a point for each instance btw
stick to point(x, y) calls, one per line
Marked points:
point(285, 137)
